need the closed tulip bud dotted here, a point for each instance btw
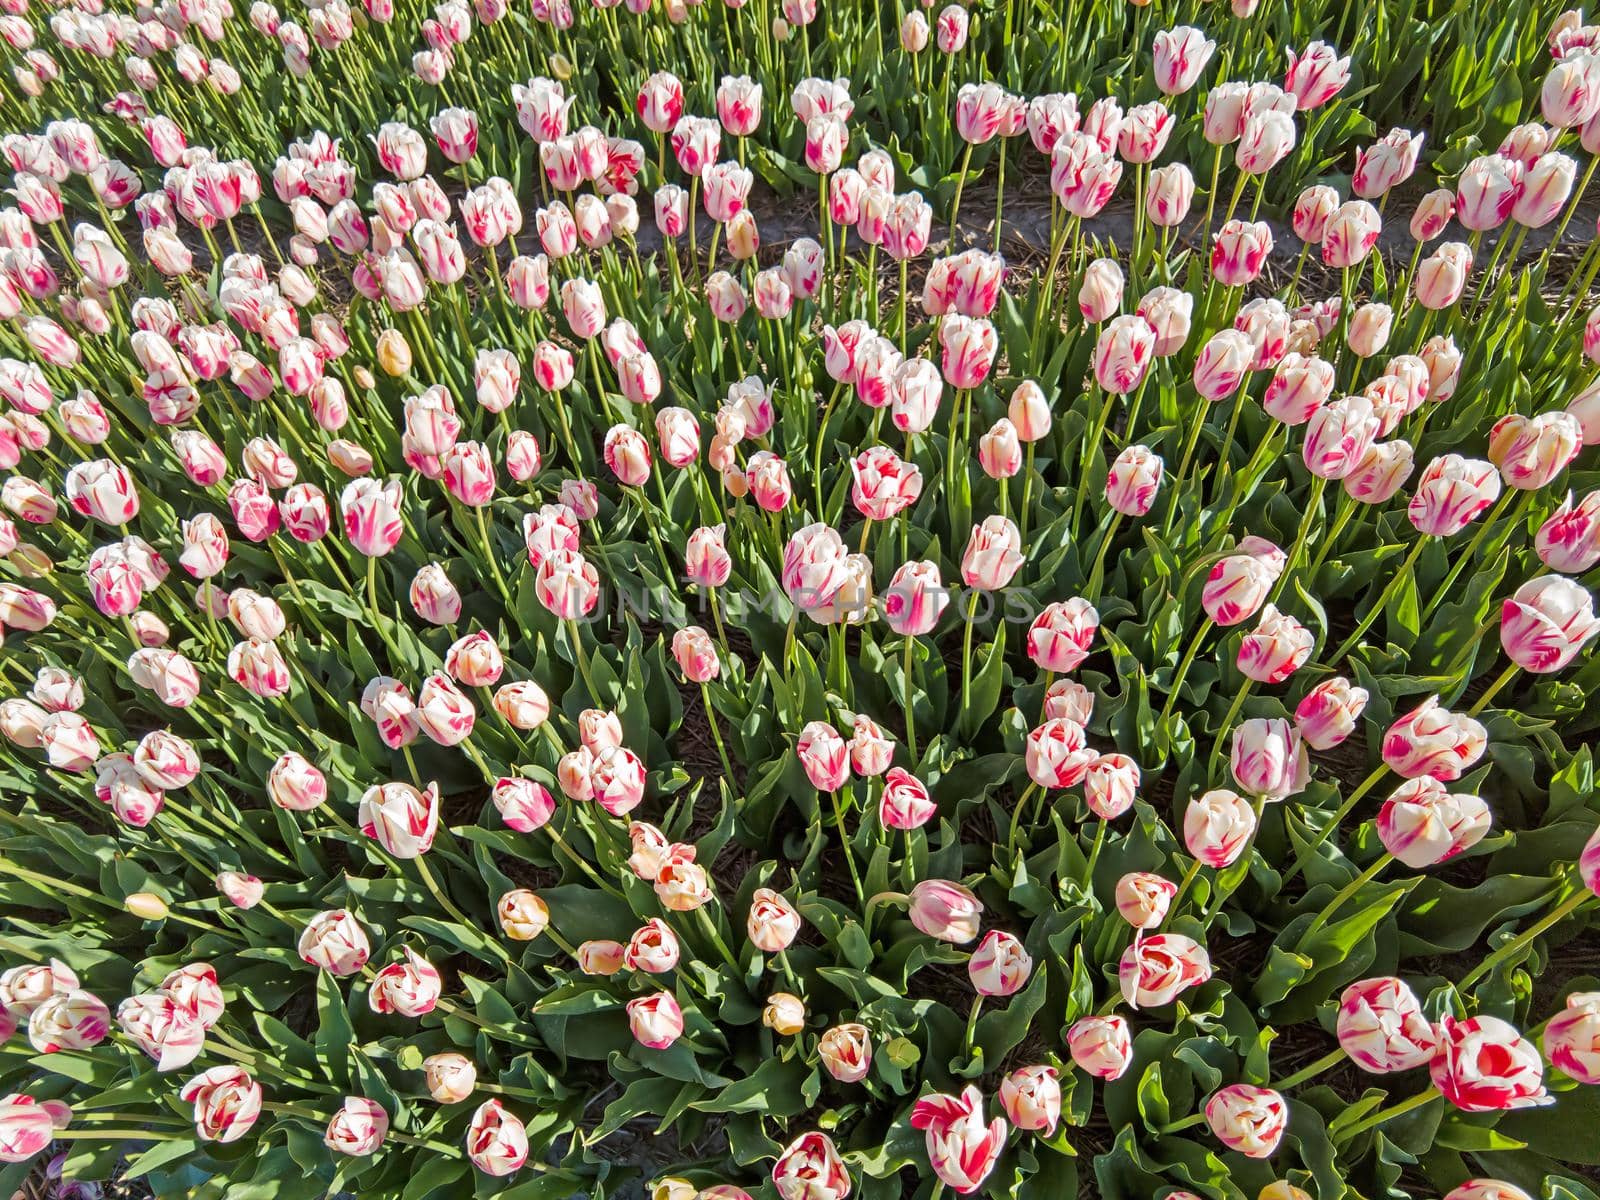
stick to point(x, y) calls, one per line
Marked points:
point(1572, 1038)
point(1441, 278)
point(999, 451)
point(1422, 824)
point(725, 297)
point(944, 910)
point(655, 1020)
point(394, 353)
point(1248, 1119)
point(1123, 353)
point(1313, 210)
point(1545, 188)
point(1061, 635)
point(1269, 759)
point(1031, 1097)
point(1369, 329)
point(1143, 133)
point(846, 1052)
point(1316, 75)
point(1169, 313)
point(1484, 1065)
point(905, 803)
point(1569, 539)
point(1239, 584)
point(1452, 492)
point(1171, 193)
point(824, 756)
point(1100, 294)
point(914, 391)
point(784, 1014)
point(993, 555)
point(1222, 364)
point(1239, 251)
point(335, 942)
point(915, 599)
point(497, 1141)
point(1486, 191)
point(1029, 411)
point(1532, 451)
point(1143, 899)
point(1547, 623)
point(147, 906)
point(871, 751)
point(1056, 754)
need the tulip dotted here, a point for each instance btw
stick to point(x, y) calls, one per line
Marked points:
point(335, 942)
point(1101, 1046)
point(655, 1020)
point(993, 555)
point(1170, 195)
point(1031, 1098)
point(1239, 584)
point(962, 1148)
point(1381, 1026)
point(27, 1126)
point(165, 1030)
point(1069, 700)
point(944, 910)
point(1239, 252)
point(904, 802)
point(1434, 742)
point(999, 966)
point(824, 756)
point(1487, 190)
point(227, 1102)
point(1143, 899)
point(884, 486)
point(1452, 492)
point(1100, 294)
point(810, 1169)
point(653, 948)
point(1154, 970)
point(1484, 1065)
point(1248, 1119)
point(773, 922)
point(1055, 754)
point(1133, 480)
point(497, 1142)
point(1060, 636)
point(70, 1020)
point(1180, 54)
point(1217, 827)
point(1123, 353)
point(1265, 140)
point(1569, 539)
point(1487, 1189)
point(357, 1128)
point(1316, 75)
point(1547, 623)
point(915, 599)
point(1313, 210)
point(846, 1052)
point(784, 1014)
point(1269, 759)
point(1532, 452)
point(1423, 825)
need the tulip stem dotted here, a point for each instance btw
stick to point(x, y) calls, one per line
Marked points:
point(966, 652)
point(1386, 1114)
point(1183, 669)
point(432, 884)
point(1565, 909)
point(1343, 811)
point(1097, 573)
point(1331, 1059)
point(972, 1021)
point(582, 662)
point(910, 700)
point(1094, 854)
point(1016, 815)
point(961, 183)
point(1344, 893)
point(1184, 885)
point(716, 939)
point(716, 733)
point(1493, 690)
point(1183, 469)
point(1395, 581)
point(1470, 554)
point(111, 1135)
point(844, 839)
point(1343, 511)
point(1188, 1122)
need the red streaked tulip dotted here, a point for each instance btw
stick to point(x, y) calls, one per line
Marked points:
point(497, 1142)
point(1547, 623)
point(1316, 75)
point(165, 1030)
point(904, 802)
point(1269, 759)
point(1179, 55)
point(227, 1101)
point(1153, 971)
point(1430, 740)
point(1569, 539)
point(1381, 1026)
point(1031, 1098)
point(1101, 1046)
point(1484, 1065)
point(1452, 492)
point(653, 948)
point(1056, 754)
point(1248, 1119)
point(655, 1020)
point(1143, 899)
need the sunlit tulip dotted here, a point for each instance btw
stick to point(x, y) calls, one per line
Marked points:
point(1153, 971)
point(1248, 1119)
point(1430, 740)
point(1484, 1065)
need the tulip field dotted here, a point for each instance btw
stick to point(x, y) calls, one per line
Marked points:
point(759, 600)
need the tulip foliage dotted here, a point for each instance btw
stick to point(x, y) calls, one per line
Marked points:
point(576, 571)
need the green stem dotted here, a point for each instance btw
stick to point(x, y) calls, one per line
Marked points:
point(1349, 889)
